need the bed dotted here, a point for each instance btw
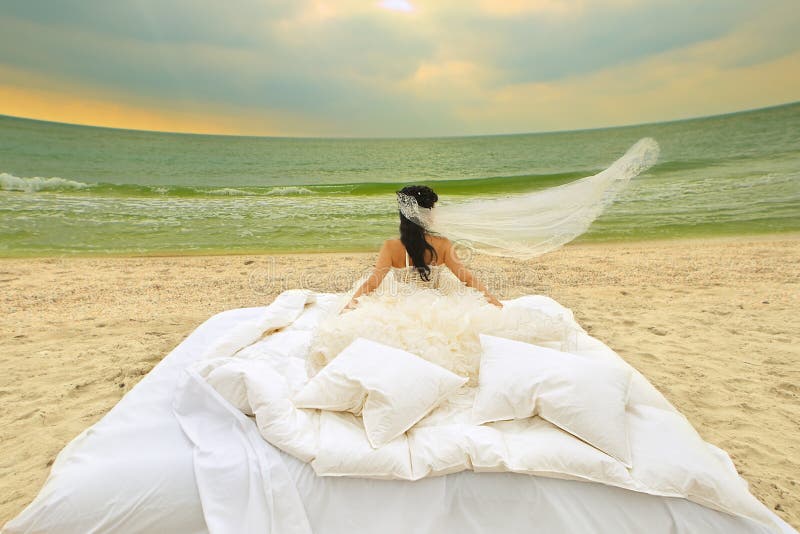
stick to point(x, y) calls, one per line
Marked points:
point(143, 469)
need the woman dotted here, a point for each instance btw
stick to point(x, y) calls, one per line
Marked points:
point(418, 255)
point(422, 299)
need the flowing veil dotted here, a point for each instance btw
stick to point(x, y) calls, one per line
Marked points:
point(530, 224)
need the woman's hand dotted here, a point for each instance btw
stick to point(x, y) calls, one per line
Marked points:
point(349, 306)
point(493, 300)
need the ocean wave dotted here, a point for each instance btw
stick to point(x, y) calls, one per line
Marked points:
point(288, 190)
point(9, 182)
point(492, 185)
point(225, 191)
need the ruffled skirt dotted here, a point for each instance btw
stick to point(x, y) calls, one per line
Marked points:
point(441, 327)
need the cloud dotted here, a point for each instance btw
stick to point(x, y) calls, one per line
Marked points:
point(73, 103)
point(354, 68)
point(671, 86)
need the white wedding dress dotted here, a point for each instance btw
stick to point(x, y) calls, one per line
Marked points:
point(438, 319)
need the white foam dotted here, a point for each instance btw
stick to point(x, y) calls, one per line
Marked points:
point(290, 190)
point(231, 191)
point(9, 182)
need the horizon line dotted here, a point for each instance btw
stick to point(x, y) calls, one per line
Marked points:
point(389, 137)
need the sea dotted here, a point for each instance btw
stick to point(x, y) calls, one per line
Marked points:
point(83, 190)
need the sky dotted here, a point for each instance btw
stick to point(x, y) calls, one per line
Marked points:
point(393, 68)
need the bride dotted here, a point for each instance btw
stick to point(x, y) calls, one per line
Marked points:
point(421, 298)
point(418, 257)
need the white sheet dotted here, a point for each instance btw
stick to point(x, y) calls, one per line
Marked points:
point(666, 455)
point(136, 471)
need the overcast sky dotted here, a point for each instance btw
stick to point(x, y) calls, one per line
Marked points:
point(393, 67)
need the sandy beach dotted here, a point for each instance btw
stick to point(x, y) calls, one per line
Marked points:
point(712, 323)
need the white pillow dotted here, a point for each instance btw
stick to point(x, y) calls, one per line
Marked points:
point(344, 450)
point(583, 397)
point(392, 389)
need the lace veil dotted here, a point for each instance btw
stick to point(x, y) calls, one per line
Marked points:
point(530, 224)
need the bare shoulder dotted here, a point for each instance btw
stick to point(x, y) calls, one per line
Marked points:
point(440, 242)
point(393, 251)
point(441, 245)
point(393, 244)
point(393, 248)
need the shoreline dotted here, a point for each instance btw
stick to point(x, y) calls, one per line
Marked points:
point(764, 236)
point(711, 322)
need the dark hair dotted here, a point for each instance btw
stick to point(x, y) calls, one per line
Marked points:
point(412, 235)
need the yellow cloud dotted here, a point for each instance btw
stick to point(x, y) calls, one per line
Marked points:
point(446, 80)
point(650, 91)
point(53, 106)
point(77, 104)
point(555, 7)
point(710, 77)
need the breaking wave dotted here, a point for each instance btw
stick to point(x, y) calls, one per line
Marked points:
point(9, 182)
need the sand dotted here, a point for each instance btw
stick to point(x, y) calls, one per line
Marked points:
point(712, 323)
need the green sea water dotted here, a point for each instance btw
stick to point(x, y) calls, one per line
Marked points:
point(68, 189)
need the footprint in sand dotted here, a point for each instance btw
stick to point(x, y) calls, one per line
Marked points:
point(787, 389)
point(657, 331)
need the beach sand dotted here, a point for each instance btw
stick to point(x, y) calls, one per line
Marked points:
point(714, 324)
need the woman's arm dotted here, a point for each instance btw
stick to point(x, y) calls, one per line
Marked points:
point(464, 274)
point(382, 267)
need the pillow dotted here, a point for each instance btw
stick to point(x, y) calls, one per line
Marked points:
point(344, 450)
point(581, 396)
point(392, 389)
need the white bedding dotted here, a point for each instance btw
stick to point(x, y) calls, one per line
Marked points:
point(208, 469)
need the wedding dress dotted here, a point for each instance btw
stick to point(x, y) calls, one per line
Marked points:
point(439, 319)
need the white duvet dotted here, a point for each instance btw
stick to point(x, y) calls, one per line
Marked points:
point(260, 366)
point(174, 456)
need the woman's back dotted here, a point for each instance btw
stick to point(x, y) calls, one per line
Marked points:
point(439, 276)
point(410, 275)
point(401, 258)
point(404, 271)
